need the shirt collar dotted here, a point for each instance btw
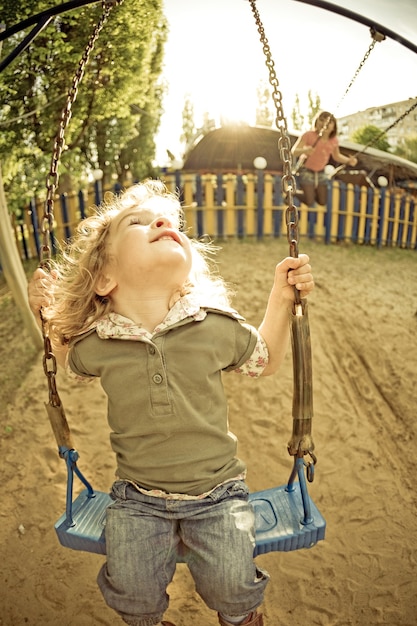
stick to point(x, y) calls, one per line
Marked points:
point(116, 326)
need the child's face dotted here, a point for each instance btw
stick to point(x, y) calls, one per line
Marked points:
point(324, 122)
point(147, 249)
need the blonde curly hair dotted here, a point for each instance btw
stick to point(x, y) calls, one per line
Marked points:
point(83, 259)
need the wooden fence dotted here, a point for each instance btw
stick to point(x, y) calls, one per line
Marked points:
point(250, 205)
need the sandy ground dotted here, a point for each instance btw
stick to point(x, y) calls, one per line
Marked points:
point(364, 343)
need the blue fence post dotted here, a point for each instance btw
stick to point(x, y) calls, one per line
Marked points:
point(25, 248)
point(240, 200)
point(117, 189)
point(277, 201)
point(369, 211)
point(356, 209)
point(199, 200)
point(342, 207)
point(81, 204)
point(411, 221)
point(98, 186)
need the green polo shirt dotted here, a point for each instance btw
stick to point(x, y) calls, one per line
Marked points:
point(167, 408)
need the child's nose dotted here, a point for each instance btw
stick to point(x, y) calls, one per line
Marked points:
point(161, 221)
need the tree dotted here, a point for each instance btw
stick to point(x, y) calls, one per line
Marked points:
point(408, 149)
point(371, 136)
point(188, 124)
point(314, 106)
point(296, 116)
point(12, 267)
point(208, 124)
point(119, 101)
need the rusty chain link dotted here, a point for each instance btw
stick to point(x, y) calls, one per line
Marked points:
point(49, 360)
point(59, 143)
point(288, 184)
point(375, 139)
point(301, 442)
point(376, 38)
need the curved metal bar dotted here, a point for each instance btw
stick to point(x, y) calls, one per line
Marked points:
point(43, 23)
point(71, 458)
point(69, 461)
point(35, 19)
point(328, 6)
point(41, 20)
point(90, 490)
point(298, 470)
point(304, 493)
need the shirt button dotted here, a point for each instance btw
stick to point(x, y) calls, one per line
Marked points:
point(157, 379)
point(151, 350)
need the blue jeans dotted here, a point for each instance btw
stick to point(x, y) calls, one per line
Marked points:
point(146, 535)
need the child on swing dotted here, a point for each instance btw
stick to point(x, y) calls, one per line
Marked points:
point(133, 302)
point(315, 148)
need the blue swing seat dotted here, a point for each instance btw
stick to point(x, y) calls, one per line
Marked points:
point(285, 517)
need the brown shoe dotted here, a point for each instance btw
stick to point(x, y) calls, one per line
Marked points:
point(254, 619)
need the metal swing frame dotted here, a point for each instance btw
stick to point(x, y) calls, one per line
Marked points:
point(286, 518)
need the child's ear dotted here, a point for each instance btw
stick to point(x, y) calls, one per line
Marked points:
point(105, 284)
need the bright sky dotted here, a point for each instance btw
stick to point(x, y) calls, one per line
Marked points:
point(214, 55)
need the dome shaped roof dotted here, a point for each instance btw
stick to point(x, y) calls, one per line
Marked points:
point(233, 148)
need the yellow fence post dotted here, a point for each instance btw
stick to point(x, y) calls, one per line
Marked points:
point(189, 204)
point(396, 219)
point(362, 214)
point(405, 222)
point(349, 211)
point(250, 205)
point(336, 197)
point(230, 221)
point(209, 209)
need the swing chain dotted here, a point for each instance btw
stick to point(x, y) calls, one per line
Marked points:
point(376, 38)
point(50, 369)
point(288, 184)
point(59, 143)
point(374, 140)
point(49, 360)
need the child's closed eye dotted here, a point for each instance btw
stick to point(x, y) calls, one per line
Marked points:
point(135, 219)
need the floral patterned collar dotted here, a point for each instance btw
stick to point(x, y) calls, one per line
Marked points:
point(116, 326)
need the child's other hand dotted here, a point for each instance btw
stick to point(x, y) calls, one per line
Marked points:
point(41, 290)
point(294, 272)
